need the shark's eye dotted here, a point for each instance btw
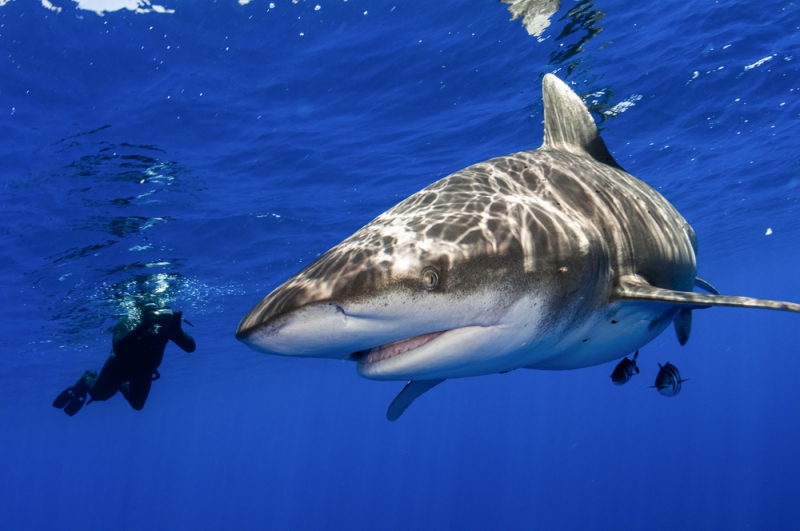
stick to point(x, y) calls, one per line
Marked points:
point(430, 278)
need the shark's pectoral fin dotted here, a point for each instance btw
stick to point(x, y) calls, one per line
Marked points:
point(410, 392)
point(634, 288)
point(683, 325)
point(702, 284)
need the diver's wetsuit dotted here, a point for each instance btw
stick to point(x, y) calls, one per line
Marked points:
point(138, 348)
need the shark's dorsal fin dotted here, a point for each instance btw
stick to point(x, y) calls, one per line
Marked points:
point(410, 392)
point(634, 288)
point(568, 126)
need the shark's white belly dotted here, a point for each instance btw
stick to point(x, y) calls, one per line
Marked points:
point(619, 330)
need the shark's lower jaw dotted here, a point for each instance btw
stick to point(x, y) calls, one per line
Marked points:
point(395, 349)
point(453, 353)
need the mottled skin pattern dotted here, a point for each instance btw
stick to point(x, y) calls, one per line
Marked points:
point(550, 219)
point(554, 258)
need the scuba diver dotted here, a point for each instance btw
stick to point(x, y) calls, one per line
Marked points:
point(137, 350)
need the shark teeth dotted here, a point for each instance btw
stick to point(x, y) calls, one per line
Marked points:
point(398, 347)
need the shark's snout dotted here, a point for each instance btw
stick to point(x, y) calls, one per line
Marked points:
point(274, 308)
point(307, 329)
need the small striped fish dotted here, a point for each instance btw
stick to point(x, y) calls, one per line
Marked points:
point(625, 370)
point(668, 381)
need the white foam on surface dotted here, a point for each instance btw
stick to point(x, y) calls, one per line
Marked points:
point(108, 6)
point(758, 63)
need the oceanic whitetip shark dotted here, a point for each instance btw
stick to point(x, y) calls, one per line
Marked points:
point(554, 258)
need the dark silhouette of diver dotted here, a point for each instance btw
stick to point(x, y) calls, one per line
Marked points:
point(138, 348)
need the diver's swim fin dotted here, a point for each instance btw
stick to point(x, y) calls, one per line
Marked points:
point(63, 399)
point(75, 404)
point(72, 399)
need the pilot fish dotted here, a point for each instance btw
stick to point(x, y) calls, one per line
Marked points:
point(668, 380)
point(625, 370)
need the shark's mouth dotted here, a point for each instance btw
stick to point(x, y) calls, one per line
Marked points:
point(391, 350)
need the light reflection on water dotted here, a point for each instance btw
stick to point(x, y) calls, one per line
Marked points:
point(111, 199)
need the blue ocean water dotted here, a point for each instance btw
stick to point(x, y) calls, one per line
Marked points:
point(206, 151)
